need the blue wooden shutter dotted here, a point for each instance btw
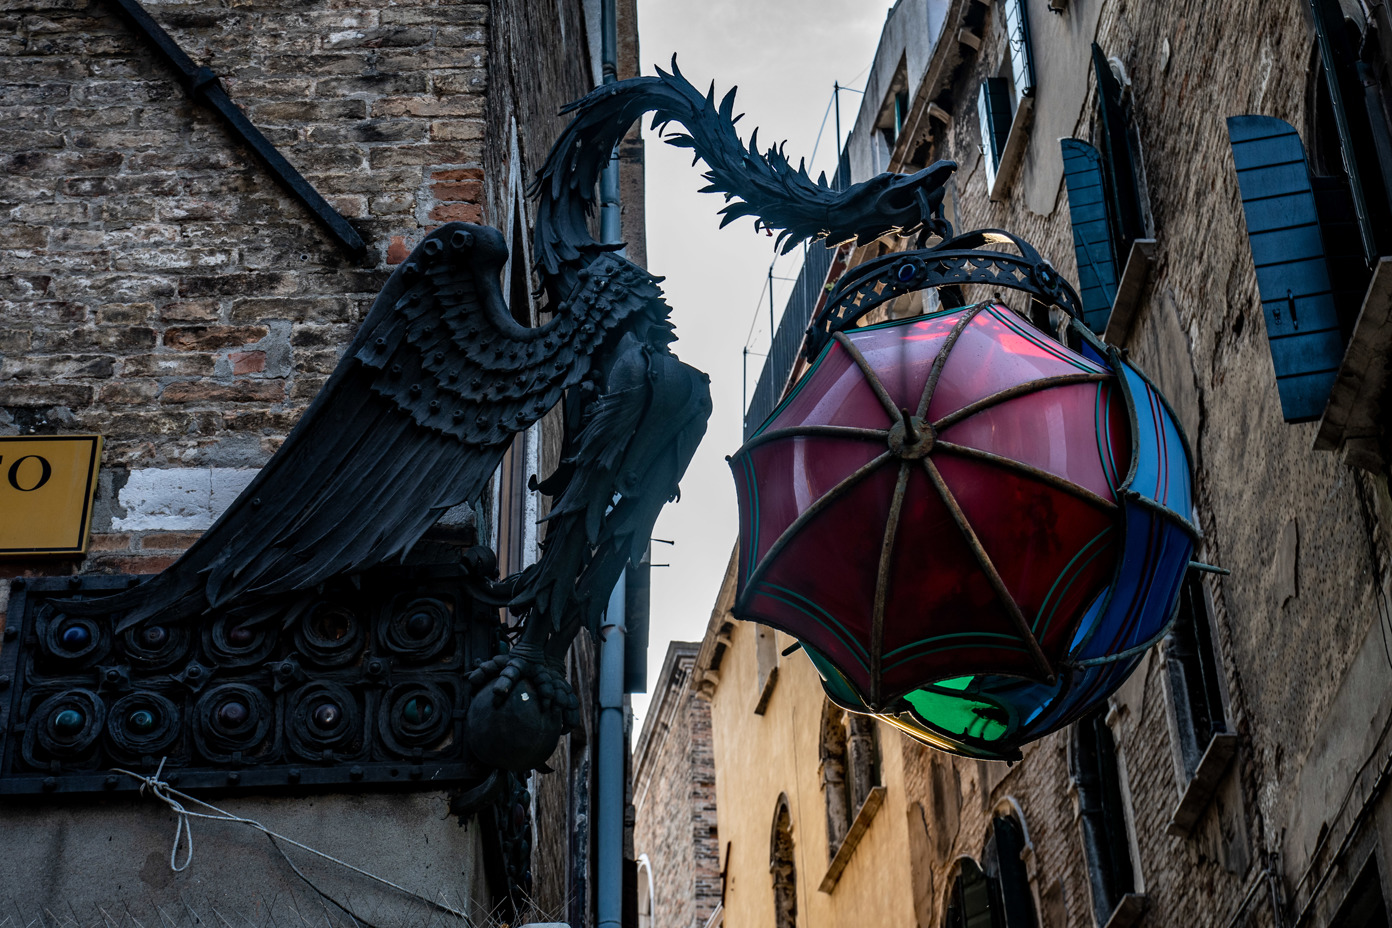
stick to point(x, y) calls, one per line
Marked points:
point(1021, 56)
point(1092, 237)
point(993, 111)
point(1283, 229)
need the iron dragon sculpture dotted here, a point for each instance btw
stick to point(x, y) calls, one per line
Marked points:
point(426, 399)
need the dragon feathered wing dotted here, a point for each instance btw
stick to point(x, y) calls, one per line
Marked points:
point(413, 421)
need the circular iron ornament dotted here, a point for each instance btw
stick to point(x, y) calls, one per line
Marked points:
point(156, 646)
point(231, 718)
point(77, 642)
point(143, 724)
point(64, 726)
point(329, 634)
point(232, 643)
point(320, 718)
point(414, 715)
point(419, 631)
point(1026, 516)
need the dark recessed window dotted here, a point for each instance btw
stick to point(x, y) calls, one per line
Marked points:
point(1106, 846)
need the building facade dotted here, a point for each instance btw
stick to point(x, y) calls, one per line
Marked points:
point(675, 838)
point(1185, 164)
point(160, 287)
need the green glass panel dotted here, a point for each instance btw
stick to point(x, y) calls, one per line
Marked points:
point(961, 715)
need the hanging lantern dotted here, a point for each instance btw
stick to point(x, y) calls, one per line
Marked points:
point(973, 530)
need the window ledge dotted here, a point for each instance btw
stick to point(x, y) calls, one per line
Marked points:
point(1202, 784)
point(1128, 911)
point(1351, 417)
point(1128, 291)
point(1014, 151)
point(868, 808)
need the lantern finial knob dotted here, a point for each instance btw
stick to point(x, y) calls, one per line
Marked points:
point(911, 438)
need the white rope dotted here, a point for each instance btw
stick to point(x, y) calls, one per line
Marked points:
point(183, 832)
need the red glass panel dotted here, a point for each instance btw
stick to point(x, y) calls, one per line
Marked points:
point(994, 354)
point(1055, 430)
point(834, 393)
point(793, 473)
point(821, 587)
point(943, 618)
point(1053, 551)
point(902, 355)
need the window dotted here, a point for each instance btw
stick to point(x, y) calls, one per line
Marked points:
point(1006, 102)
point(1106, 206)
point(969, 905)
point(1365, 906)
point(850, 764)
point(1200, 736)
point(766, 659)
point(1096, 780)
point(1005, 870)
point(783, 868)
point(1320, 228)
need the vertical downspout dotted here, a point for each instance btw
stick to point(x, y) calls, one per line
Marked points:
point(610, 825)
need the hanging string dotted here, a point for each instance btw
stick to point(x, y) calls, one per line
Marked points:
point(183, 834)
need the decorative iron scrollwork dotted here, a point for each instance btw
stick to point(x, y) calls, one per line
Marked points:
point(964, 259)
point(362, 684)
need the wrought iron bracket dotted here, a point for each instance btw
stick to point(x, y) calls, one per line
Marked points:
point(360, 686)
point(202, 84)
point(951, 263)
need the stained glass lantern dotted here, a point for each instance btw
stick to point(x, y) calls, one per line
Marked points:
point(973, 530)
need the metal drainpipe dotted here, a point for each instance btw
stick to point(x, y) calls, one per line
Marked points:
point(610, 825)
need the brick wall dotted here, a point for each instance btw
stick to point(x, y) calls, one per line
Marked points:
point(674, 798)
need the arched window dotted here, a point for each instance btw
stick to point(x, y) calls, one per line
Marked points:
point(645, 892)
point(850, 762)
point(1092, 764)
point(1005, 871)
point(969, 905)
point(783, 868)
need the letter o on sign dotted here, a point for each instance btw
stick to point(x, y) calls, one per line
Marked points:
point(45, 472)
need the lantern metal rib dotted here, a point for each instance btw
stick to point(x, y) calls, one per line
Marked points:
point(1020, 389)
point(1034, 473)
point(1145, 502)
point(808, 515)
point(807, 431)
point(935, 373)
point(989, 569)
point(870, 376)
point(896, 507)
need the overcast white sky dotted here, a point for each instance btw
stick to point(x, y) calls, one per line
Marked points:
point(784, 56)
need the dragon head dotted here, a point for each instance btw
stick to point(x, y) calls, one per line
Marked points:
point(893, 202)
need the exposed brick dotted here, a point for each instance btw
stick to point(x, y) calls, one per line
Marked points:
point(212, 337)
point(166, 365)
point(168, 541)
point(397, 250)
point(457, 212)
point(134, 564)
point(247, 362)
point(468, 191)
point(39, 394)
point(119, 541)
point(243, 391)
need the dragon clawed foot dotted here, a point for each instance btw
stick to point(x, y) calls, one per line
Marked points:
point(520, 708)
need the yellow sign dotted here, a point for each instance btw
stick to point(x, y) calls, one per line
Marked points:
point(46, 488)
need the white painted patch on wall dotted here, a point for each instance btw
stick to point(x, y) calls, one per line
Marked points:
point(178, 498)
